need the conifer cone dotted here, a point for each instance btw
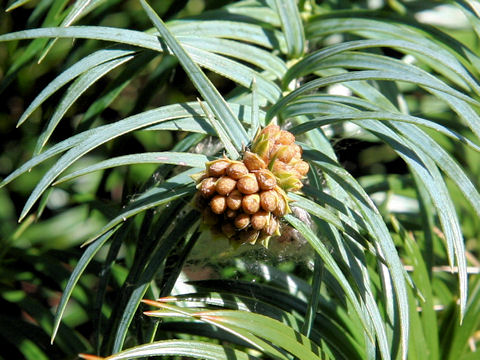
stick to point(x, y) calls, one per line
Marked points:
point(245, 200)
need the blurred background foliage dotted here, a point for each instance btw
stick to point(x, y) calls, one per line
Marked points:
point(38, 255)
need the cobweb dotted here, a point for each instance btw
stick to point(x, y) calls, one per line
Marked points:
point(212, 257)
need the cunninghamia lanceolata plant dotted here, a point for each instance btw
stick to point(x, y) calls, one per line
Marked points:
point(245, 200)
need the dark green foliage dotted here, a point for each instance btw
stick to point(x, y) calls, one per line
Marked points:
point(385, 103)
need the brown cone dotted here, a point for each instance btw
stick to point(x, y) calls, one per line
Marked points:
point(245, 200)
